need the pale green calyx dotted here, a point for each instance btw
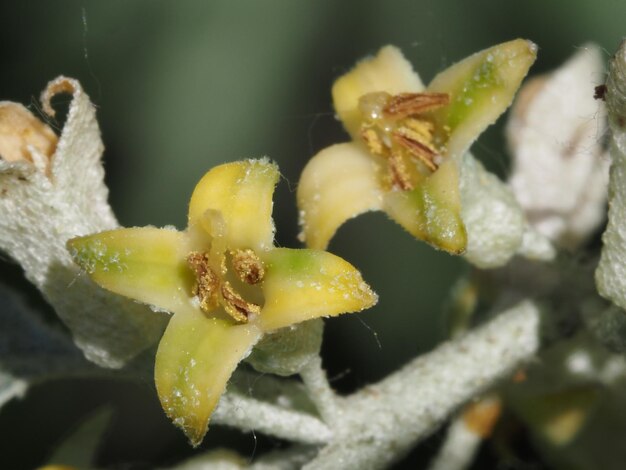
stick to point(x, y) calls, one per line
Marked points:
point(286, 351)
point(496, 224)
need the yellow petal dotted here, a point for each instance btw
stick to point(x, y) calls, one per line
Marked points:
point(303, 284)
point(340, 182)
point(432, 211)
point(196, 357)
point(242, 192)
point(388, 71)
point(147, 264)
point(482, 87)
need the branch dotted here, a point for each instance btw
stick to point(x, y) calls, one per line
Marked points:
point(319, 390)
point(610, 278)
point(467, 432)
point(245, 413)
point(459, 448)
point(382, 422)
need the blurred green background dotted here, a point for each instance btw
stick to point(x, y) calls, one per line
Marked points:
point(182, 86)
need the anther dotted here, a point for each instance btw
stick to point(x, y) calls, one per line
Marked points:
point(408, 104)
point(248, 266)
point(207, 282)
point(235, 305)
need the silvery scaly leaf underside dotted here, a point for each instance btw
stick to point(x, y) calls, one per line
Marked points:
point(30, 349)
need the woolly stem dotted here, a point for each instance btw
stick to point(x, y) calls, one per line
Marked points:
point(380, 423)
point(248, 414)
point(319, 390)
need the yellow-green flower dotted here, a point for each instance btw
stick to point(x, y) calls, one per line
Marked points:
point(225, 282)
point(407, 142)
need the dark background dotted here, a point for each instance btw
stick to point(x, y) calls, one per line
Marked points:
point(181, 86)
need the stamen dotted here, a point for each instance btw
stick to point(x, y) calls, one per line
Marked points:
point(407, 104)
point(400, 177)
point(207, 282)
point(373, 141)
point(424, 153)
point(419, 130)
point(212, 290)
point(238, 308)
point(248, 266)
point(393, 127)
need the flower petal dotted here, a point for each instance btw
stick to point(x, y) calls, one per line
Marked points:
point(196, 357)
point(242, 191)
point(388, 71)
point(482, 87)
point(303, 284)
point(432, 211)
point(340, 182)
point(146, 264)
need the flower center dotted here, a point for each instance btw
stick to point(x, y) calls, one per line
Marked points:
point(394, 127)
point(212, 289)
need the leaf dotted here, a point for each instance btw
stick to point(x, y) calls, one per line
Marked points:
point(30, 350)
point(79, 448)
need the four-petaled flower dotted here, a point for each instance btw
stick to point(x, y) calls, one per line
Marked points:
point(407, 143)
point(225, 282)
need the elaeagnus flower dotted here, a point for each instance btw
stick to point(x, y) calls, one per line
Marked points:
point(408, 142)
point(225, 282)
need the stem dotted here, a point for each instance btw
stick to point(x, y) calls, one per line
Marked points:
point(459, 448)
point(245, 413)
point(319, 390)
point(382, 422)
point(610, 280)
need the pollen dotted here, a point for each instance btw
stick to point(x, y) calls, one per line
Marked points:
point(207, 282)
point(372, 140)
point(236, 306)
point(213, 291)
point(397, 127)
point(248, 266)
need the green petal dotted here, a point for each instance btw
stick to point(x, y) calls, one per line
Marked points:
point(196, 357)
point(147, 264)
point(340, 182)
point(242, 191)
point(303, 284)
point(388, 71)
point(481, 87)
point(432, 211)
